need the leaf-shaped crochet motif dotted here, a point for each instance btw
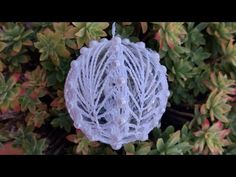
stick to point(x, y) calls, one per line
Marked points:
point(116, 91)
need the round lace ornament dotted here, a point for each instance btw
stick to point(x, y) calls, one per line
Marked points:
point(116, 91)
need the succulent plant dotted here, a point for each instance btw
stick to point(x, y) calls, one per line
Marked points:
point(37, 118)
point(169, 35)
point(51, 45)
point(30, 142)
point(9, 93)
point(222, 31)
point(211, 138)
point(229, 52)
point(14, 36)
point(87, 31)
point(221, 82)
point(59, 102)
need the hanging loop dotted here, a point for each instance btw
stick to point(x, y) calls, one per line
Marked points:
point(113, 30)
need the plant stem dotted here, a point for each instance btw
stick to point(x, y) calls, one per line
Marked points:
point(180, 113)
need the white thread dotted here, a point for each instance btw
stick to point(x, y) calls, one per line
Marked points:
point(116, 96)
point(113, 30)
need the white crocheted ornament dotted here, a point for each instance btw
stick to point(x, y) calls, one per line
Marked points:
point(116, 91)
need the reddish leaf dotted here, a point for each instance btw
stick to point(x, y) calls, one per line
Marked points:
point(7, 149)
point(205, 124)
point(157, 36)
point(15, 77)
point(205, 151)
point(55, 102)
point(28, 42)
point(16, 106)
point(170, 44)
point(208, 84)
point(129, 153)
point(13, 53)
point(198, 133)
point(71, 138)
point(37, 124)
point(22, 92)
point(25, 84)
point(144, 26)
point(219, 125)
point(35, 94)
point(27, 75)
point(224, 133)
point(58, 103)
point(4, 108)
point(195, 148)
point(161, 44)
point(203, 109)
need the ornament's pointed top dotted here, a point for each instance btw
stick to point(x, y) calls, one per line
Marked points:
point(113, 30)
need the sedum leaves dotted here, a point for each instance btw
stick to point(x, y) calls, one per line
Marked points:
point(211, 138)
point(9, 93)
point(87, 31)
point(217, 105)
point(14, 36)
point(172, 143)
point(51, 46)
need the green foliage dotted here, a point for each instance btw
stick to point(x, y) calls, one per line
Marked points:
point(172, 143)
point(14, 36)
point(87, 31)
point(211, 138)
point(51, 45)
point(62, 120)
point(9, 93)
point(221, 83)
point(217, 103)
point(229, 52)
point(181, 71)
point(35, 83)
point(217, 106)
point(37, 117)
point(124, 31)
point(86, 147)
point(141, 148)
point(170, 35)
point(29, 142)
point(222, 31)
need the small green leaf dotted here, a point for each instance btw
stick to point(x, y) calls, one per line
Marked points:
point(17, 46)
point(199, 55)
point(81, 32)
point(165, 135)
point(143, 149)
point(62, 120)
point(160, 145)
point(130, 148)
point(174, 138)
point(51, 79)
point(3, 45)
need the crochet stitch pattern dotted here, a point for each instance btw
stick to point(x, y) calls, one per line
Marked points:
point(116, 91)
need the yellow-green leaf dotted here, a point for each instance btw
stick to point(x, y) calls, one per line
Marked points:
point(174, 138)
point(17, 46)
point(3, 45)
